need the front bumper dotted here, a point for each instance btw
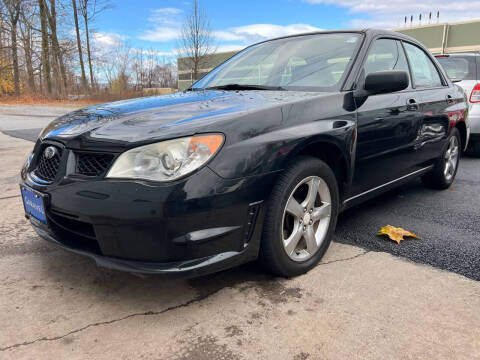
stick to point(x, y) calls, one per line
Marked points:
point(187, 268)
point(195, 226)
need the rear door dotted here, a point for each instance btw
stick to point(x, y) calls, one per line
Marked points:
point(436, 100)
point(387, 124)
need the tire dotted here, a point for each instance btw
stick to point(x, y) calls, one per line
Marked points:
point(474, 148)
point(279, 254)
point(440, 178)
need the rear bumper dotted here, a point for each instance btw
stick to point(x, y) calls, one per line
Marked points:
point(195, 226)
point(474, 119)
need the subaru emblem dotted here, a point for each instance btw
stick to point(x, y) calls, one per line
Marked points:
point(50, 152)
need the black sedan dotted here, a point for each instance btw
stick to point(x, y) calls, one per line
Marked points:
point(256, 159)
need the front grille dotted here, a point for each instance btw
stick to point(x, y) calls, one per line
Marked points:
point(47, 168)
point(93, 164)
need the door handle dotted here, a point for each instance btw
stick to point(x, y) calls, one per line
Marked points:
point(412, 105)
point(449, 99)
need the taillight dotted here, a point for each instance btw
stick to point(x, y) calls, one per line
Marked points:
point(475, 95)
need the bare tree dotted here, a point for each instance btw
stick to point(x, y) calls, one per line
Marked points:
point(27, 18)
point(79, 45)
point(6, 79)
point(115, 63)
point(84, 10)
point(89, 9)
point(51, 15)
point(196, 39)
point(45, 47)
point(39, 52)
point(166, 75)
point(138, 68)
point(13, 9)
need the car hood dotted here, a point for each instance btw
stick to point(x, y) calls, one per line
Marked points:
point(161, 117)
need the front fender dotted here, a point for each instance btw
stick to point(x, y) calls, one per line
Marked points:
point(268, 140)
point(271, 151)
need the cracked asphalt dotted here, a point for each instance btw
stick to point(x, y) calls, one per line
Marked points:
point(361, 302)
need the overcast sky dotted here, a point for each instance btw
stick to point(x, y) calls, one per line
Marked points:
point(155, 24)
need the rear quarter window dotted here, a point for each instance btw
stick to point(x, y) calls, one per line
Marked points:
point(459, 67)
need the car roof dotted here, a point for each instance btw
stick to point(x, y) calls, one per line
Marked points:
point(367, 31)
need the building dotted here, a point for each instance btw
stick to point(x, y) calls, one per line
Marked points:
point(185, 72)
point(438, 38)
point(447, 37)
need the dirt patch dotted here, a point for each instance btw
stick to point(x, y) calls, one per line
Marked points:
point(275, 292)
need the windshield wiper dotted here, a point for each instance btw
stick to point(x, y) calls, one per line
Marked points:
point(244, 87)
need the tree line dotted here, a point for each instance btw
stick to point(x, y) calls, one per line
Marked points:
point(47, 47)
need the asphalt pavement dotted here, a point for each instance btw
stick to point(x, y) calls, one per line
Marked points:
point(447, 222)
point(25, 134)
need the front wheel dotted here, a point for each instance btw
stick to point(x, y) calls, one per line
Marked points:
point(301, 217)
point(445, 168)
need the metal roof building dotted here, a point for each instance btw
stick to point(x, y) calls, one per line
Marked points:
point(447, 37)
point(438, 38)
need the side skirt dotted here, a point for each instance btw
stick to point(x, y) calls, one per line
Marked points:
point(366, 195)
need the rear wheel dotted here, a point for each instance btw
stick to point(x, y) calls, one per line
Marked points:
point(445, 168)
point(300, 219)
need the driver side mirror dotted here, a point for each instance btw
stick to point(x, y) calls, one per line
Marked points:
point(383, 82)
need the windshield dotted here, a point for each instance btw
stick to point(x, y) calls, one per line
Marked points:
point(310, 63)
point(459, 67)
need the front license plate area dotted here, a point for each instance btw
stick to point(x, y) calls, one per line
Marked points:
point(34, 204)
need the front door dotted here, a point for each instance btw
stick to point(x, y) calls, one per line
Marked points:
point(387, 124)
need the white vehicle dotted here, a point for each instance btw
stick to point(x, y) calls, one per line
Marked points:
point(464, 70)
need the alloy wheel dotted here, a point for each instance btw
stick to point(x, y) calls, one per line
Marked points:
point(306, 218)
point(451, 158)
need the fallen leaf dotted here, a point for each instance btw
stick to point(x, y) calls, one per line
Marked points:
point(396, 233)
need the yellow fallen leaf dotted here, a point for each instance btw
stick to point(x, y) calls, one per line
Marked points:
point(396, 233)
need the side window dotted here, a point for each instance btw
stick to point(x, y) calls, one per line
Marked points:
point(424, 72)
point(384, 55)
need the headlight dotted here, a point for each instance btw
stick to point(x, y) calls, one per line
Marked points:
point(166, 160)
point(26, 165)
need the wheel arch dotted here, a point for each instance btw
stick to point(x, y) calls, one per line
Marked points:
point(332, 153)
